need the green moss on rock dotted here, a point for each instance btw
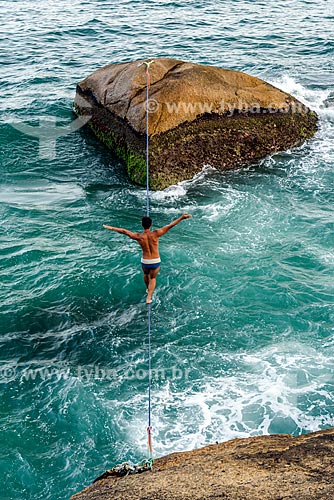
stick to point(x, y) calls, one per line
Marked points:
point(136, 167)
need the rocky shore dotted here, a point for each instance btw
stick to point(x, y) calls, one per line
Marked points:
point(198, 115)
point(272, 467)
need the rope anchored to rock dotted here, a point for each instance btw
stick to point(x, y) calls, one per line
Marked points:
point(126, 468)
point(149, 427)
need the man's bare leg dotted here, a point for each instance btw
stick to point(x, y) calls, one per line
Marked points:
point(147, 280)
point(152, 276)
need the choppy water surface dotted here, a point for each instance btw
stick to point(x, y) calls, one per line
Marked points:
point(242, 340)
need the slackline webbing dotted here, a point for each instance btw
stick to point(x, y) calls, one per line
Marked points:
point(127, 468)
point(149, 428)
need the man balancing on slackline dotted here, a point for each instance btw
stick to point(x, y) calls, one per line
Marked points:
point(149, 242)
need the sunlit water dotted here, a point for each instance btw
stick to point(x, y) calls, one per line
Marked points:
point(242, 322)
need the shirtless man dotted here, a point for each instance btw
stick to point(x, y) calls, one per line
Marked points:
point(149, 242)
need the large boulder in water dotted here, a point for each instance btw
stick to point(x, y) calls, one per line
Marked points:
point(198, 115)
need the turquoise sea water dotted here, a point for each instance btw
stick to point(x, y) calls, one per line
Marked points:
point(243, 318)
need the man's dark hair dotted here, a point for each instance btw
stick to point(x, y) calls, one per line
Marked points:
point(146, 222)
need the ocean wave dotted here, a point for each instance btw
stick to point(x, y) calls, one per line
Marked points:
point(284, 387)
point(314, 98)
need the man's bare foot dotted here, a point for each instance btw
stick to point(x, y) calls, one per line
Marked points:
point(148, 300)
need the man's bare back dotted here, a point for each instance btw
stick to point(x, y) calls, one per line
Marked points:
point(149, 242)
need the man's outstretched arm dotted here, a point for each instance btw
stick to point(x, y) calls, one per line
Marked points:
point(120, 230)
point(163, 230)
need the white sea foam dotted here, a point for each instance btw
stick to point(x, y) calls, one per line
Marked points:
point(172, 193)
point(179, 190)
point(311, 165)
point(315, 99)
point(280, 388)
